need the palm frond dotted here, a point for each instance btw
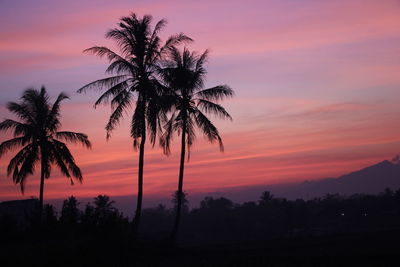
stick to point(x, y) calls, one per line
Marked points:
point(152, 52)
point(121, 102)
point(156, 115)
point(208, 129)
point(17, 127)
point(173, 41)
point(188, 59)
point(102, 51)
point(113, 91)
point(153, 116)
point(159, 26)
point(201, 60)
point(216, 93)
point(100, 84)
point(66, 156)
point(52, 121)
point(27, 167)
point(213, 108)
point(120, 66)
point(176, 57)
point(58, 159)
point(153, 47)
point(166, 138)
point(124, 38)
point(22, 111)
point(31, 96)
point(12, 144)
point(17, 160)
point(123, 97)
point(37, 103)
point(74, 138)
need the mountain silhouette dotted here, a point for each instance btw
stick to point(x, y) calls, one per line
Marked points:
point(370, 180)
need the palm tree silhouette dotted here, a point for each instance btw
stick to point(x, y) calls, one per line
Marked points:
point(70, 214)
point(135, 80)
point(38, 134)
point(184, 75)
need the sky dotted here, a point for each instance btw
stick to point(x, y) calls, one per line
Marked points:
point(317, 87)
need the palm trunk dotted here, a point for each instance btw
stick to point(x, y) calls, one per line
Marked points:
point(180, 185)
point(138, 212)
point(41, 189)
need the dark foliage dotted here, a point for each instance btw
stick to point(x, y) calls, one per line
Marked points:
point(359, 230)
point(70, 214)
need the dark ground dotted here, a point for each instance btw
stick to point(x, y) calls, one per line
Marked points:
point(377, 248)
point(360, 230)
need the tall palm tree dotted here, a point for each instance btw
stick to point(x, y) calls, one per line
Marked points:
point(37, 132)
point(184, 75)
point(134, 81)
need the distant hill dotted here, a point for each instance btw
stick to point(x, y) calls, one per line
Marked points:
point(370, 180)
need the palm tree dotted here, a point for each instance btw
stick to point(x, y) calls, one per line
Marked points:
point(135, 80)
point(70, 214)
point(184, 75)
point(37, 132)
point(103, 208)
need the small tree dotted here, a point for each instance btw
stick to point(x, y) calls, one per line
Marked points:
point(266, 197)
point(104, 211)
point(185, 201)
point(49, 214)
point(70, 214)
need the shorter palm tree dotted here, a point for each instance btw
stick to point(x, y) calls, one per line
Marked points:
point(38, 135)
point(184, 75)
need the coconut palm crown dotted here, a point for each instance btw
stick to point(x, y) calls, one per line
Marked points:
point(38, 134)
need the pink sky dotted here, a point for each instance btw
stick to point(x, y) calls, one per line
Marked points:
point(317, 89)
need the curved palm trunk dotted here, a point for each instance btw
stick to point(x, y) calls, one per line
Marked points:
point(180, 186)
point(138, 212)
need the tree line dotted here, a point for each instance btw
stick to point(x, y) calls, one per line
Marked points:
point(221, 220)
point(159, 83)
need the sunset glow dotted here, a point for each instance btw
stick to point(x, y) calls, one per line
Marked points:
point(317, 87)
